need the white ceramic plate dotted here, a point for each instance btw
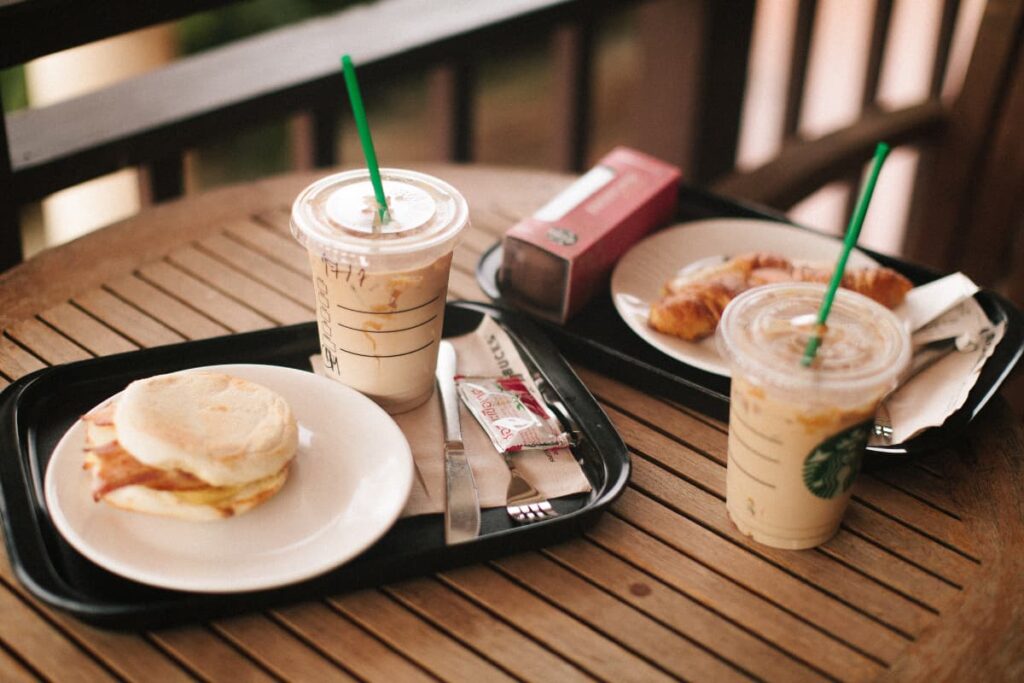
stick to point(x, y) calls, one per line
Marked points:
point(350, 480)
point(639, 275)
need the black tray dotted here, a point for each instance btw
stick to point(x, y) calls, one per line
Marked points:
point(36, 410)
point(597, 336)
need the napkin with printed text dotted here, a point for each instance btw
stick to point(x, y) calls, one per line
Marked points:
point(939, 310)
point(486, 352)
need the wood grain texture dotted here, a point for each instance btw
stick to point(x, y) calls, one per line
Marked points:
point(418, 640)
point(923, 580)
point(127, 320)
point(277, 650)
point(652, 596)
point(516, 652)
point(577, 641)
point(351, 647)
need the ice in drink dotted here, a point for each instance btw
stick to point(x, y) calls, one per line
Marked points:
point(797, 434)
point(380, 289)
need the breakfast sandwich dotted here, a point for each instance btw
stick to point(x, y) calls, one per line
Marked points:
point(191, 445)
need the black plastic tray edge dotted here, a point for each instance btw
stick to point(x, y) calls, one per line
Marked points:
point(715, 404)
point(32, 565)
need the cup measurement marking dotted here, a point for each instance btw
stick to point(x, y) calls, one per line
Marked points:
point(741, 468)
point(403, 329)
point(753, 450)
point(392, 355)
point(402, 310)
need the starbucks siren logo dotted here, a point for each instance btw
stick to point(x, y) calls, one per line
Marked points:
point(831, 468)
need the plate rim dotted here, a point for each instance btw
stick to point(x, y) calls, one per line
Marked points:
point(206, 585)
point(653, 338)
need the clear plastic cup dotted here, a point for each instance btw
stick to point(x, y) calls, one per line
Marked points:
point(380, 293)
point(797, 434)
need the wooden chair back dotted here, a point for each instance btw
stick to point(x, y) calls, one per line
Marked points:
point(967, 210)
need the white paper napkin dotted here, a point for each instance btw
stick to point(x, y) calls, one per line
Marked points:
point(487, 351)
point(939, 310)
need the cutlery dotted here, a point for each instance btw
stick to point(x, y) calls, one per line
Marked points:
point(925, 356)
point(523, 501)
point(462, 505)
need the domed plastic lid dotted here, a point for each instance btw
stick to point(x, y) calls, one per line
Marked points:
point(335, 216)
point(764, 331)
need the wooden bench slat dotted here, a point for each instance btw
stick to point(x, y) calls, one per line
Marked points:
point(576, 641)
point(696, 467)
point(732, 601)
point(764, 579)
point(700, 435)
point(14, 671)
point(516, 652)
point(298, 288)
point(891, 571)
point(183, 319)
point(127, 320)
point(239, 286)
point(15, 361)
point(890, 534)
point(130, 655)
point(207, 656)
point(920, 484)
point(916, 514)
point(676, 654)
point(269, 242)
point(881, 603)
point(278, 650)
point(45, 342)
point(348, 644)
point(909, 544)
point(203, 298)
point(42, 645)
point(86, 330)
point(681, 612)
point(416, 639)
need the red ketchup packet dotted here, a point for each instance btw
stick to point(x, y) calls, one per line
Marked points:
point(511, 413)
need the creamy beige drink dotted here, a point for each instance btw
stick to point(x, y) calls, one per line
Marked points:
point(797, 434)
point(380, 289)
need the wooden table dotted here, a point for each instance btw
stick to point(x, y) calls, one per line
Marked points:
point(923, 581)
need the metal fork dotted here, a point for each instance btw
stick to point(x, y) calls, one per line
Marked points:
point(925, 356)
point(524, 502)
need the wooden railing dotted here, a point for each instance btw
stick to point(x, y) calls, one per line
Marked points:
point(691, 84)
point(152, 120)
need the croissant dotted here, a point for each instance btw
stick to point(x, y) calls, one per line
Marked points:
point(692, 304)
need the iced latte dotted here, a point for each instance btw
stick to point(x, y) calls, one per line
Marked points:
point(380, 287)
point(797, 434)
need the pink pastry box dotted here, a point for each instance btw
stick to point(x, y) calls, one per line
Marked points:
point(558, 258)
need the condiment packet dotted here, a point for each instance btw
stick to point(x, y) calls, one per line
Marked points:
point(511, 413)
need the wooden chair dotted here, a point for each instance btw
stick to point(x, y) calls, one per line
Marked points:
point(967, 211)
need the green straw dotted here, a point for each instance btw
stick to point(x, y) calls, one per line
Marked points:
point(359, 112)
point(852, 232)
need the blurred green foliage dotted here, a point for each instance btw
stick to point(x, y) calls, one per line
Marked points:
point(219, 26)
point(12, 88)
point(261, 149)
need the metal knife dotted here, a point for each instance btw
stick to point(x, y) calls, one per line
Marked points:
point(462, 506)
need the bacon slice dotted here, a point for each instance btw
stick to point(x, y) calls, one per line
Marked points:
point(113, 468)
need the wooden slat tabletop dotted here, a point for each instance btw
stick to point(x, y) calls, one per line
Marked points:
point(923, 581)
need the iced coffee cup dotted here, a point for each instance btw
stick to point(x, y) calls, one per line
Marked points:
point(797, 434)
point(380, 288)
